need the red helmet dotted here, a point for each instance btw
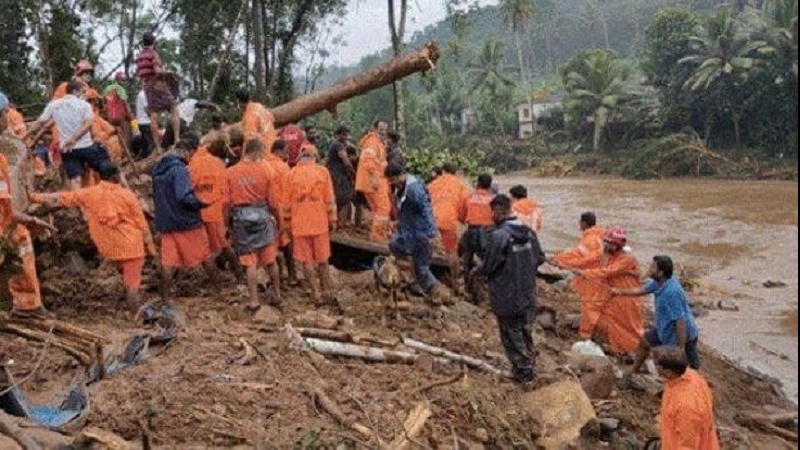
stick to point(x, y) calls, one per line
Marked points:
point(83, 66)
point(617, 236)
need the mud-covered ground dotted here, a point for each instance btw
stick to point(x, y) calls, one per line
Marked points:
point(194, 393)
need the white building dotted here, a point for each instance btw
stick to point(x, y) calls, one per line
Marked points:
point(532, 109)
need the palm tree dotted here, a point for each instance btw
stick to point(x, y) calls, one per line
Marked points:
point(600, 82)
point(489, 73)
point(782, 35)
point(519, 14)
point(724, 56)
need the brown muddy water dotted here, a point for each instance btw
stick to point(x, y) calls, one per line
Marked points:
point(736, 234)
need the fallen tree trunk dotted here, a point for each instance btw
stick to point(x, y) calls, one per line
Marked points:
point(371, 354)
point(468, 361)
point(412, 427)
point(769, 424)
point(344, 336)
point(378, 77)
point(20, 170)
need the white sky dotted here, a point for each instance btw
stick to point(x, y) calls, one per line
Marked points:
point(366, 27)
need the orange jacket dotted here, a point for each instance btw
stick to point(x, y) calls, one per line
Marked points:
point(449, 198)
point(311, 204)
point(105, 133)
point(116, 220)
point(281, 171)
point(251, 182)
point(621, 321)
point(478, 209)
point(61, 90)
point(259, 123)
point(6, 207)
point(210, 183)
point(529, 213)
point(371, 165)
point(16, 123)
point(585, 256)
point(687, 414)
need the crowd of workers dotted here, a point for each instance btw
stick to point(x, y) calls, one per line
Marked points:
point(275, 203)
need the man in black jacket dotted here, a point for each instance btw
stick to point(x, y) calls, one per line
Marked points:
point(512, 260)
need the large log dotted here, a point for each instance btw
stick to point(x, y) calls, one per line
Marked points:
point(359, 84)
point(20, 170)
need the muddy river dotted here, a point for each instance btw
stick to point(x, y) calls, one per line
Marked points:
point(736, 234)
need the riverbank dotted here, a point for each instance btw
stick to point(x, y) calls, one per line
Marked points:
point(732, 235)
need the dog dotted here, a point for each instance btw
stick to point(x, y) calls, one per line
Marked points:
point(388, 277)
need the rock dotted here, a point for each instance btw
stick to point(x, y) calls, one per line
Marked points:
point(76, 264)
point(609, 426)
point(267, 316)
point(425, 363)
point(727, 305)
point(588, 348)
point(596, 373)
point(546, 318)
point(770, 284)
point(573, 321)
point(315, 319)
point(482, 436)
point(644, 383)
point(563, 410)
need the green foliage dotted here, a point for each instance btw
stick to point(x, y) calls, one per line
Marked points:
point(424, 161)
point(599, 84)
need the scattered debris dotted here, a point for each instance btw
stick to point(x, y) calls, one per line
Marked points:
point(770, 284)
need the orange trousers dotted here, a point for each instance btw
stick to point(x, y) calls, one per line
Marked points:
point(381, 208)
point(24, 287)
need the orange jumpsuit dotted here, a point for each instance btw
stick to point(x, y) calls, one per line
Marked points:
point(687, 414)
point(448, 197)
point(478, 209)
point(259, 123)
point(24, 287)
point(370, 181)
point(105, 133)
point(281, 172)
point(16, 123)
point(251, 182)
point(586, 256)
point(210, 182)
point(116, 226)
point(621, 321)
point(529, 213)
point(310, 210)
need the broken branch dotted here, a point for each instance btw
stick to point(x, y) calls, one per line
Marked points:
point(371, 354)
point(324, 402)
point(437, 384)
point(412, 427)
point(468, 361)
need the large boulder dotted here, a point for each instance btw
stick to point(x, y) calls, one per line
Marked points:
point(563, 410)
point(596, 373)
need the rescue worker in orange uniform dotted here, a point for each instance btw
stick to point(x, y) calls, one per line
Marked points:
point(103, 132)
point(311, 213)
point(585, 256)
point(526, 209)
point(257, 121)
point(687, 406)
point(16, 122)
point(117, 226)
point(621, 322)
point(278, 163)
point(479, 219)
point(371, 182)
point(210, 181)
point(254, 219)
point(449, 199)
point(83, 73)
point(24, 287)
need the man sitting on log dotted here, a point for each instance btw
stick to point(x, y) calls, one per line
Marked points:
point(513, 257)
point(117, 226)
point(416, 227)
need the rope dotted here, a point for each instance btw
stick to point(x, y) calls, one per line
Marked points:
point(36, 367)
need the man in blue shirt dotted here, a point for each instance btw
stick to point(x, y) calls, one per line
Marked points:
point(675, 323)
point(416, 226)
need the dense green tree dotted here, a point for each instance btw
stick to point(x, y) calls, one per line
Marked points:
point(491, 81)
point(599, 82)
point(519, 14)
point(723, 56)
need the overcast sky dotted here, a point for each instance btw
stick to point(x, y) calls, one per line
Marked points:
point(366, 27)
